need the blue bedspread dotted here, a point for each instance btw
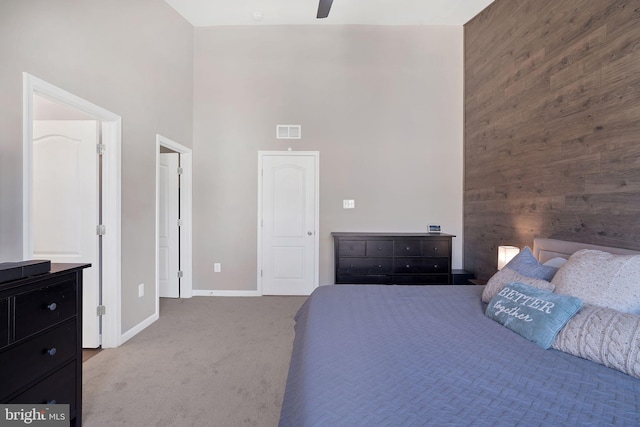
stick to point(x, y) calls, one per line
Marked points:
point(402, 356)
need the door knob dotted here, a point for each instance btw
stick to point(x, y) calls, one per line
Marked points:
point(309, 233)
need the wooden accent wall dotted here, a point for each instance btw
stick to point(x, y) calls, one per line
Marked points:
point(552, 125)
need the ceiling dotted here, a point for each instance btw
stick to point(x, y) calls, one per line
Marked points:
point(204, 13)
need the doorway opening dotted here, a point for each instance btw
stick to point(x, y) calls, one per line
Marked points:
point(105, 127)
point(173, 220)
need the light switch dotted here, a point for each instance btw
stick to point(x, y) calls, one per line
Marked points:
point(348, 204)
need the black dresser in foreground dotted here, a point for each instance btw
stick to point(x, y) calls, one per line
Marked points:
point(41, 339)
point(392, 258)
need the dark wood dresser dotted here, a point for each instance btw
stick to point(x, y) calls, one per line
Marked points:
point(393, 258)
point(41, 339)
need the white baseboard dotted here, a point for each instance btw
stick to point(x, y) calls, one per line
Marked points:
point(204, 293)
point(138, 328)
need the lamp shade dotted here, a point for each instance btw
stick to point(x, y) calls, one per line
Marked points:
point(505, 254)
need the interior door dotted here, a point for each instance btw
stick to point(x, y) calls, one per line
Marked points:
point(66, 206)
point(289, 222)
point(168, 214)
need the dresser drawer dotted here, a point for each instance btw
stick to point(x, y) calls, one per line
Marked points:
point(420, 265)
point(59, 387)
point(435, 248)
point(380, 248)
point(44, 307)
point(407, 248)
point(422, 279)
point(26, 362)
point(363, 280)
point(351, 248)
point(364, 266)
point(4, 322)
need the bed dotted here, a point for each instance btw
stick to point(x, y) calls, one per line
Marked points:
point(370, 355)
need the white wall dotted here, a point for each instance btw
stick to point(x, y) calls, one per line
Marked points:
point(133, 58)
point(383, 105)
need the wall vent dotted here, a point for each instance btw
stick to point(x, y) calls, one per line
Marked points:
point(288, 132)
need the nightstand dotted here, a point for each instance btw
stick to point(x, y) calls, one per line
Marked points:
point(461, 277)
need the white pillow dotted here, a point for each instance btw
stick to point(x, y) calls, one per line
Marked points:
point(602, 279)
point(507, 275)
point(604, 336)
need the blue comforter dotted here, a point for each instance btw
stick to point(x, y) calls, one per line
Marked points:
point(402, 356)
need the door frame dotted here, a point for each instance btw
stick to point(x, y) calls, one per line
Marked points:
point(111, 193)
point(316, 234)
point(186, 230)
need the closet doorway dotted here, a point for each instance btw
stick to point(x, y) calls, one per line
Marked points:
point(71, 197)
point(288, 222)
point(173, 220)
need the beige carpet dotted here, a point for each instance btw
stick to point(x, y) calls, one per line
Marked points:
point(208, 361)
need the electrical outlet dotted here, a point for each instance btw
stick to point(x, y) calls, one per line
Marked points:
point(140, 290)
point(217, 267)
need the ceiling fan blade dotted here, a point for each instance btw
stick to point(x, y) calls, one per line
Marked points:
point(323, 8)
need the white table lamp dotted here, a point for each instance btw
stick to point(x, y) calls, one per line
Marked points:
point(505, 254)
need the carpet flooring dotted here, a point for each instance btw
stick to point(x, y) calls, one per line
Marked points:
point(208, 361)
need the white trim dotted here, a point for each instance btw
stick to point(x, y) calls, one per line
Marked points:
point(186, 235)
point(202, 293)
point(111, 214)
point(111, 241)
point(138, 328)
point(316, 236)
point(186, 214)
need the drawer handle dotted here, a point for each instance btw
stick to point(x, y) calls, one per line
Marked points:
point(350, 248)
point(435, 266)
point(351, 266)
point(408, 248)
point(51, 352)
point(408, 266)
point(379, 249)
point(52, 306)
point(435, 249)
point(379, 266)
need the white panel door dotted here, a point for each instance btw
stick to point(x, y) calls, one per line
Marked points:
point(289, 254)
point(65, 206)
point(168, 245)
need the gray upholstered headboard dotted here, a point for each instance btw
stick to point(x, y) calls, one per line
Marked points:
point(546, 249)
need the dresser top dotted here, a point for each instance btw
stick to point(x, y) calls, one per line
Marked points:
point(65, 267)
point(387, 234)
point(55, 270)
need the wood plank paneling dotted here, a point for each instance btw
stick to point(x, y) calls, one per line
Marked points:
point(552, 125)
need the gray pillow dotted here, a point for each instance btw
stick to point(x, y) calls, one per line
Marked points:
point(602, 279)
point(507, 275)
point(527, 265)
point(523, 268)
point(604, 336)
point(556, 262)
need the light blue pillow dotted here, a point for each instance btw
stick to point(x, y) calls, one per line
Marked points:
point(527, 265)
point(536, 314)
